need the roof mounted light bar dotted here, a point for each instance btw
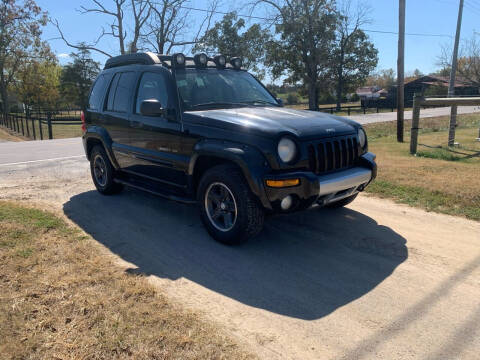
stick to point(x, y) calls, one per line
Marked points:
point(177, 60)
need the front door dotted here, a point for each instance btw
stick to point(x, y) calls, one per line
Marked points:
point(155, 141)
point(116, 117)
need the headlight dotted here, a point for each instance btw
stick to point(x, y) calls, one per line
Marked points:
point(362, 138)
point(287, 150)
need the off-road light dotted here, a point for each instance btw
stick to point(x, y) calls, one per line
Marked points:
point(178, 59)
point(220, 61)
point(236, 62)
point(362, 138)
point(200, 60)
point(287, 150)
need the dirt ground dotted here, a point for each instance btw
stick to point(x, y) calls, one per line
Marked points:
point(375, 280)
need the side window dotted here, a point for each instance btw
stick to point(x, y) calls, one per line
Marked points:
point(111, 92)
point(120, 92)
point(124, 92)
point(152, 86)
point(97, 93)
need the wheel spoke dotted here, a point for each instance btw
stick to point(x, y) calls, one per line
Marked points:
point(227, 219)
point(220, 206)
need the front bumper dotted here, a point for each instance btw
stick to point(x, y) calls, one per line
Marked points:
point(323, 189)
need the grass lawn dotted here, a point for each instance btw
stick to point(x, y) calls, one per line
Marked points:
point(437, 179)
point(62, 297)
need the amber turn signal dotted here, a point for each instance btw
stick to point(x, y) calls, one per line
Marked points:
point(283, 183)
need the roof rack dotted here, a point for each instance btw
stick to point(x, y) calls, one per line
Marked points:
point(146, 58)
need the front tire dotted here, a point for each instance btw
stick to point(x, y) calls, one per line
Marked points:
point(230, 212)
point(103, 172)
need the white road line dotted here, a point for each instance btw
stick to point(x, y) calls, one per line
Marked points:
point(34, 161)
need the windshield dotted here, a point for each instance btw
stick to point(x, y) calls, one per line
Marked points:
point(214, 88)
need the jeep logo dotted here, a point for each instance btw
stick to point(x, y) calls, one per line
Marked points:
point(330, 130)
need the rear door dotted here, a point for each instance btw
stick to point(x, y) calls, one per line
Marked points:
point(116, 118)
point(156, 142)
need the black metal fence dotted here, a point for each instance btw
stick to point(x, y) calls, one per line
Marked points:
point(41, 124)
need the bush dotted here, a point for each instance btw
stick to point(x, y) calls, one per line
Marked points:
point(292, 99)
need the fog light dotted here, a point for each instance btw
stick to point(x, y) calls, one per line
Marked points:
point(286, 202)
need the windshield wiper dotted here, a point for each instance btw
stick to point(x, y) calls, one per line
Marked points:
point(216, 104)
point(259, 101)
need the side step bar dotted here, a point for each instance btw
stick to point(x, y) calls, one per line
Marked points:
point(136, 185)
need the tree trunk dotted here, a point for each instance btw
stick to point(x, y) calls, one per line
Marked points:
point(5, 105)
point(312, 96)
point(339, 91)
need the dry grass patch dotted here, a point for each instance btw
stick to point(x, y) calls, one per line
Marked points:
point(60, 298)
point(7, 135)
point(437, 179)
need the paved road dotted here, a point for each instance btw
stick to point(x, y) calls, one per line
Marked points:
point(375, 280)
point(40, 151)
point(424, 113)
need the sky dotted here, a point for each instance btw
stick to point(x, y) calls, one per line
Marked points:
point(435, 17)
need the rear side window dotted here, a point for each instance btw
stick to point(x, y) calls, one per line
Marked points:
point(121, 92)
point(97, 92)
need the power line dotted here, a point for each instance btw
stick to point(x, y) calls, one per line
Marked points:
point(269, 19)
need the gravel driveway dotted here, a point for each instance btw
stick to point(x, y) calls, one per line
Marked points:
point(375, 280)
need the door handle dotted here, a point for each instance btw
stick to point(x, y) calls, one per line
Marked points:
point(135, 124)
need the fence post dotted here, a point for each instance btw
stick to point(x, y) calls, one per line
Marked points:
point(415, 122)
point(377, 109)
point(33, 127)
point(21, 122)
point(364, 111)
point(49, 123)
point(348, 113)
point(40, 127)
point(26, 124)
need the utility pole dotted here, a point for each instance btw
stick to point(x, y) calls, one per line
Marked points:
point(453, 72)
point(400, 69)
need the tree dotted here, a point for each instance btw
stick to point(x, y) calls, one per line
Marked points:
point(37, 84)
point(158, 25)
point(354, 57)
point(468, 65)
point(77, 78)
point(20, 42)
point(385, 79)
point(302, 51)
point(230, 38)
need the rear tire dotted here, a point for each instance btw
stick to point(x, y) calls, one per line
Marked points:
point(103, 172)
point(342, 203)
point(230, 212)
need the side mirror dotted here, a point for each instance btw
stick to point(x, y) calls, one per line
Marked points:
point(151, 107)
point(280, 102)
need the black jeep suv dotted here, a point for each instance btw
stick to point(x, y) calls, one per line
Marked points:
point(202, 130)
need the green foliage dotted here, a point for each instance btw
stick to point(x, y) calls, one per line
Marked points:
point(38, 82)
point(230, 38)
point(77, 78)
point(301, 49)
point(21, 25)
point(354, 58)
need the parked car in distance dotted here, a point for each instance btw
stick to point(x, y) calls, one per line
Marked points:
point(203, 130)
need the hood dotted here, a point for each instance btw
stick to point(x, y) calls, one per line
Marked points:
point(275, 120)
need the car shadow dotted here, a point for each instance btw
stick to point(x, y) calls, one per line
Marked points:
point(304, 265)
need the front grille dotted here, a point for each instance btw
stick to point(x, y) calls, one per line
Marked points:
point(333, 154)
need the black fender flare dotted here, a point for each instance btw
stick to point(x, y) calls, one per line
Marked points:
point(250, 160)
point(100, 134)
